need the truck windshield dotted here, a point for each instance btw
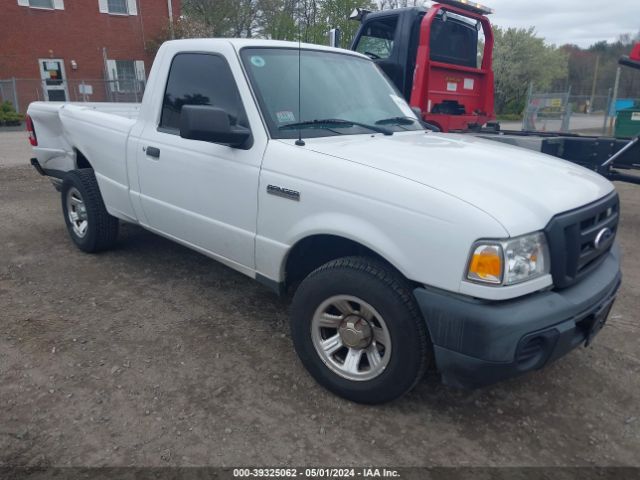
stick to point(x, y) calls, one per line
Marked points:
point(347, 89)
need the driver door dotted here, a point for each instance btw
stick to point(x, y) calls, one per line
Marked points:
point(199, 193)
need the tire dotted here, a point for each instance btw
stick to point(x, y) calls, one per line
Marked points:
point(379, 309)
point(89, 224)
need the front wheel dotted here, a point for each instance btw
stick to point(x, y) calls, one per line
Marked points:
point(89, 224)
point(357, 329)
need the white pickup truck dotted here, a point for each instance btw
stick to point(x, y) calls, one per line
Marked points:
point(403, 248)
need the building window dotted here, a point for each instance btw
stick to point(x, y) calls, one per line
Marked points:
point(45, 4)
point(41, 3)
point(126, 76)
point(118, 6)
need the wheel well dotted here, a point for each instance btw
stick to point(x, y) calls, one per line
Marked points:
point(312, 252)
point(81, 160)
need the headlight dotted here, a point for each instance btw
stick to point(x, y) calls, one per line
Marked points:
point(506, 262)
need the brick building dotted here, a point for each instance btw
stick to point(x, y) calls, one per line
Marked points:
point(95, 50)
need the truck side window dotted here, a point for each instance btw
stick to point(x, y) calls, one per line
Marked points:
point(200, 79)
point(377, 39)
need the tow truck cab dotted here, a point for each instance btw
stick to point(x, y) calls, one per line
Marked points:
point(432, 57)
point(633, 59)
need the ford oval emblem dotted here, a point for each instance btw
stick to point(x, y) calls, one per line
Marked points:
point(602, 237)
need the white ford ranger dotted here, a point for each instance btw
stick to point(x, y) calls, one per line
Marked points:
point(403, 247)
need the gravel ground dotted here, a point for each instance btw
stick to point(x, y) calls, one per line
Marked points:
point(153, 355)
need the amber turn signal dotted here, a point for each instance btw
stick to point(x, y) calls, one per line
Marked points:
point(486, 264)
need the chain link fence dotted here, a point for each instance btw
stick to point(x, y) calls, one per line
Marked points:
point(8, 92)
point(587, 104)
point(547, 112)
point(564, 112)
point(22, 91)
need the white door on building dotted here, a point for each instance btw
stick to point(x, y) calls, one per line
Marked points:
point(54, 79)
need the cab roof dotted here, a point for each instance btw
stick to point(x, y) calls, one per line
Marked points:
point(239, 43)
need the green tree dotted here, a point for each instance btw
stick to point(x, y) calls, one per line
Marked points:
point(335, 14)
point(521, 57)
point(277, 19)
point(307, 20)
point(224, 18)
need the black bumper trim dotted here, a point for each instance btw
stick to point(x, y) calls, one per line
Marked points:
point(478, 342)
point(36, 164)
point(47, 172)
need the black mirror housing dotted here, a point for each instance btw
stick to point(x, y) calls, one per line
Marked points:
point(213, 124)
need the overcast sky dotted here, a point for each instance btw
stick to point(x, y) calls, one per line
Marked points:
point(582, 22)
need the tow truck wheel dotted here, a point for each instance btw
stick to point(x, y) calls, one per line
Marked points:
point(89, 224)
point(357, 329)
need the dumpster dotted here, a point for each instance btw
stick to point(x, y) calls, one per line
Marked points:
point(628, 122)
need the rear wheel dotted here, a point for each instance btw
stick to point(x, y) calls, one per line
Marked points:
point(89, 224)
point(358, 331)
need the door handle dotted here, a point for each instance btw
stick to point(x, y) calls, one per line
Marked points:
point(153, 152)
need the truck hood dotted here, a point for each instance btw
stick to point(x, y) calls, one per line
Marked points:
point(519, 188)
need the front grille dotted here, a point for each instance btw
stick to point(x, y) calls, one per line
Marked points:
point(579, 239)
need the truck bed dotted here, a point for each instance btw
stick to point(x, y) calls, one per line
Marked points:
point(90, 125)
point(69, 132)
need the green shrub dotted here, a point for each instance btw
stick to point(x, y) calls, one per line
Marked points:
point(8, 115)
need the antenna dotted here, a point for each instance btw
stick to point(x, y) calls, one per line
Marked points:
point(299, 141)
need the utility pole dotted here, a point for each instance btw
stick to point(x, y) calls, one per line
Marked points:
point(170, 11)
point(614, 99)
point(595, 82)
point(606, 113)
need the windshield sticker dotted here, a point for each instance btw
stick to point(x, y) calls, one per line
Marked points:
point(258, 61)
point(285, 117)
point(402, 105)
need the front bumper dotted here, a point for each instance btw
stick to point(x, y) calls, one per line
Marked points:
point(478, 342)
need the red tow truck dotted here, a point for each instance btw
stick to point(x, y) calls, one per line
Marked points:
point(633, 60)
point(432, 57)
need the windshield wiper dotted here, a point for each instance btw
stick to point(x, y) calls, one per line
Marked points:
point(397, 121)
point(333, 123)
point(407, 121)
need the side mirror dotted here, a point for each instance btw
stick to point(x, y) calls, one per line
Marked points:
point(213, 124)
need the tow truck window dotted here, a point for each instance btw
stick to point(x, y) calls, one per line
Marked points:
point(199, 79)
point(377, 40)
point(454, 41)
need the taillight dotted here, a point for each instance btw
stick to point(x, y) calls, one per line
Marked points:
point(33, 140)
